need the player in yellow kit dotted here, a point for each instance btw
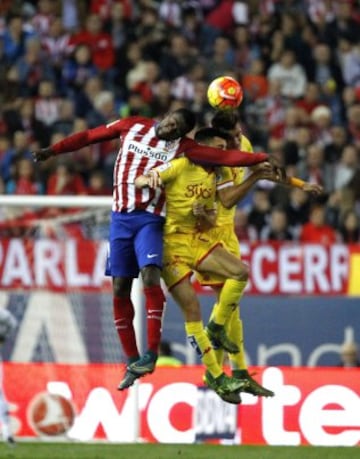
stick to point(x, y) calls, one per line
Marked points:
point(190, 213)
point(225, 311)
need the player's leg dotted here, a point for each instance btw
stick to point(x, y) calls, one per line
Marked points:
point(238, 361)
point(149, 252)
point(234, 326)
point(123, 267)
point(123, 310)
point(220, 262)
point(185, 296)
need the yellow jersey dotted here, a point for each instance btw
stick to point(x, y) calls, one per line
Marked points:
point(185, 183)
point(226, 216)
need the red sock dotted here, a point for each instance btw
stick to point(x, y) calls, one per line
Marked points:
point(123, 310)
point(154, 303)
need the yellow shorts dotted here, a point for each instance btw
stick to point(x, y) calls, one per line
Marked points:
point(226, 235)
point(183, 253)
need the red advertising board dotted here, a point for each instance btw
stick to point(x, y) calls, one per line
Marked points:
point(281, 269)
point(311, 406)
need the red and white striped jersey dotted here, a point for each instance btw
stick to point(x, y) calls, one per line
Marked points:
point(140, 150)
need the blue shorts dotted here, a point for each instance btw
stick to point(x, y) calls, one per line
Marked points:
point(136, 240)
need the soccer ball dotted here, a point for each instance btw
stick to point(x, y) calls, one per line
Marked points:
point(50, 414)
point(224, 93)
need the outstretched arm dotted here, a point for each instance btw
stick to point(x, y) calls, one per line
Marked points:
point(210, 156)
point(306, 186)
point(231, 195)
point(82, 139)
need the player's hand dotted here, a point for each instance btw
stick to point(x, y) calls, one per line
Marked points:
point(154, 179)
point(262, 167)
point(198, 209)
point(313, 188)
point(142, 181)
point(42, 155)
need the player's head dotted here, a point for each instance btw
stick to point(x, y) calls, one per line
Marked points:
point(228, 120)
point(176, 124)
point(212, 137)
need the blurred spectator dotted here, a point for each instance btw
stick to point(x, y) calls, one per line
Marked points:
point(71, 12)
point(277, 228)
point(145, 86)
point(346, 167)
point(162, 97)
point(47, 103)
point(65, 181)
point(135, 106)
point(56, 43)
point(316, 231)
point(295, 119)
point(150, 33)
point(170, 12)
point(24, 120)
point(44, 16)
point(349, 355)
point(333, 150)
point(166, 357)
point(222, 59)
point(313, 168)
point(178, 58)
point(254, 82)
point(97, 184)
point(243, 230)
point(33, 67)
point(350, 228)
point(298, 207)
point(15, 38)
point(10, 89)
point(183, 87)
point(24, 180)
point(85, 97)
point(321, 125)
point(99, 42)
point(353, 116)
point(66, 118)
point(104, 110)
point(290, 74)
point(103, 8)
point(296, 149)
point(275, 109)
point(77, 69)
point(259, 214)
point(311, 98)
point(226, 14)
point(19, 150)
point(244, 52)
point(324, 68)
point(344, 23)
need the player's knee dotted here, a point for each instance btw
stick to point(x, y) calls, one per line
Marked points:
point(121, 287)
point(242, 273)
point(150, 276)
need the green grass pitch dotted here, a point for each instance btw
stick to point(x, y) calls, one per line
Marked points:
point(42, 450)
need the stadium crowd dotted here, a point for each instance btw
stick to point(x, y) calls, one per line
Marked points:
point(69, 65)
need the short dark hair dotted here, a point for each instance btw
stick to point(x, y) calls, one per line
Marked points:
point(188, 117)
point(205, 134)
point(225, 119)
